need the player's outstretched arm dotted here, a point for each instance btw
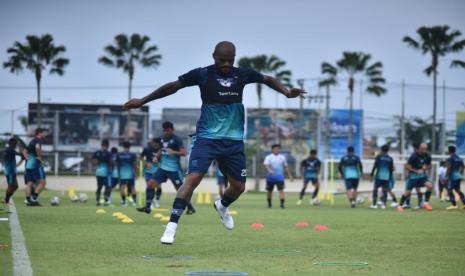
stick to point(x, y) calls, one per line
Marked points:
point(276, 85)
point(163, 91)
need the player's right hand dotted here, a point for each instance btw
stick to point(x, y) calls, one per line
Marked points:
point(133, 103)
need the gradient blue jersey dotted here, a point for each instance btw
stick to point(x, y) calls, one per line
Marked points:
point(9, 160)
point(311, 167)
point(277, 162)
point(32, 161)
point(350, 166)
point(149, 153)
point(417, 161)
point(126, 161)
point(222, 112)
point(455, 163)
point(170, 162)
point(384, 165)
point(114, 172)
point(103, 158)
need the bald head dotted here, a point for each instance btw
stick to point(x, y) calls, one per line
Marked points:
point(224, 55)
point(225, 47)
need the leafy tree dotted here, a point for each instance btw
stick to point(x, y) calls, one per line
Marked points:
point(437, 41)
point(36, 55)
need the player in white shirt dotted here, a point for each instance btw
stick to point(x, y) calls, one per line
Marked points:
point(276, 164)
point(442, 173)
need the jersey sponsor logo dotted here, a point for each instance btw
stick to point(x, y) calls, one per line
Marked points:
point(227, 82)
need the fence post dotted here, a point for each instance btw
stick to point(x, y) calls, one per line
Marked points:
point(56, 163)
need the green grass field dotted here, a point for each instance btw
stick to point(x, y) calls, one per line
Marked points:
point(73, 240)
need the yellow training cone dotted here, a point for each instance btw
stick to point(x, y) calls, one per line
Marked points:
point(71, 191)
point(161, 210)
point(233, 212)
point(127, 220)
point(116, 214)
point(165, 218)
point(122, 216)
point(100, 211)
point(208, 198)
point(199, 198)
point(158, 215)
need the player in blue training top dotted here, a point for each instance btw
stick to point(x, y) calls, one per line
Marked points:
point(149, 158)
point(114, 168)
point(127, 167)
point(310, 169)
point(418, 164)
point(350, 168)
point(9, 168)
point(455, 169)
point(34, 168)
point(172, 149)
point(102, 159)
point(220, 129)
point(384, 168)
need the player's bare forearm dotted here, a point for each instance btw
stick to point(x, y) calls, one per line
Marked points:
point(276, 85)
point(163, 91)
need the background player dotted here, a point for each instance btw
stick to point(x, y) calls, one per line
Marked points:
point(127, 166)
point(34, 169)
point(384, 168)
point(310, 169)
point(148, 156)
point(275, 164)
point(102, 159)
point(454, 175)
point(442, 181)
point(417, 165)
point(9, 168)
point(350, 168)
point(220, 129)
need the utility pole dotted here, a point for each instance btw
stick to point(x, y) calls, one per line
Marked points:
point(402, 120)
point(301, 83)
point(328, 126)
point(442, 144)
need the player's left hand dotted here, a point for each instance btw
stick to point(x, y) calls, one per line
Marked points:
point(296, 92)
point(169, 151)
point(133, 103)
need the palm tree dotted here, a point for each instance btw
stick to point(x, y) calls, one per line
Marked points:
point(330, 73)
point(268, 65)
point(438, 42)
point(36, 55)
point(127, 51)
point(356, 63)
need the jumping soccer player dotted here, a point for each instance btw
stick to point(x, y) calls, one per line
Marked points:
point(127, 166)
point(9, 168)
point(384, 167)
point(172, 149)
point(102, 159)
point(310, 169)
point(275, 164)
point(148, 156)
point(455, 169)
point(34, 169)
point(220, 129)
point(417, 165)
point(350, 168)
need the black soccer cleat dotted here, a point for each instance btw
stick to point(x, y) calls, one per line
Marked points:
point(190, 211)
point(144, 210)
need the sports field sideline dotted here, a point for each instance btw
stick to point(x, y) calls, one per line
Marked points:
point(72, 239)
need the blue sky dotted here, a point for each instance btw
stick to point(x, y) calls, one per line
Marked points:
point(303, 33)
